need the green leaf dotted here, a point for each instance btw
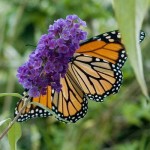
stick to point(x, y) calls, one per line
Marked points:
point(130, 15)
point(5, 121)
point(4, 124)
point(11, 94)
point(13, 135)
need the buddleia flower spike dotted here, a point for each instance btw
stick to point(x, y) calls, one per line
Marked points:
point(49, 61)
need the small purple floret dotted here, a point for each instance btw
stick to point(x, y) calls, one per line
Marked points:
point(49, 61)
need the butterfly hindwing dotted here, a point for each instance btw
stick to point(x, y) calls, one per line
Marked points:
point(97, 78)
point(70, 103)
point(32, 110)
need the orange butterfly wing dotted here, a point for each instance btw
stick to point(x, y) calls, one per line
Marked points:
point(97, 70)
point(106, 46)
point(97, 78)
point(34, 111)
point(94, 71)
point(69, 104)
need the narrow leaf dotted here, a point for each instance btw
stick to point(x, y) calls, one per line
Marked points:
point(130, 15)
point(4, 124)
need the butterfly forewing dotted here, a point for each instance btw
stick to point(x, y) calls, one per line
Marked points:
point(106, 46)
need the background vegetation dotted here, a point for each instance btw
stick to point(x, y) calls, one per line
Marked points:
point(121, 122)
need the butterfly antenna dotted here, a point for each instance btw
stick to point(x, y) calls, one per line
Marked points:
point(30, 45)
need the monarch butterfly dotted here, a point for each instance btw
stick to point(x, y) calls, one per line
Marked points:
point(94, 72)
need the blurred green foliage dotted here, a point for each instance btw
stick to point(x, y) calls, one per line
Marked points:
point(14, 135)
point(121, 122)
point(130, 34)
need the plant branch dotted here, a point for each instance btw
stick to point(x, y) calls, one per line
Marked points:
point(11, 94)
point(15, 119)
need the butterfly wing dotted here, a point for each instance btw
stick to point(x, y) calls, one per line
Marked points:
point(98, 78)
point(32, 110)
point(94, 71)
point(106, 46)
point(69, 104)
point(96, 64)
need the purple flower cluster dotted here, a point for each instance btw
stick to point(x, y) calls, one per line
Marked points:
point(49, 61)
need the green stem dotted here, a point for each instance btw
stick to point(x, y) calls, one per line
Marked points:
point(11, 94)
point(15, 119)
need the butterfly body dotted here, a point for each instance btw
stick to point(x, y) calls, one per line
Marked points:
point(94, 72)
